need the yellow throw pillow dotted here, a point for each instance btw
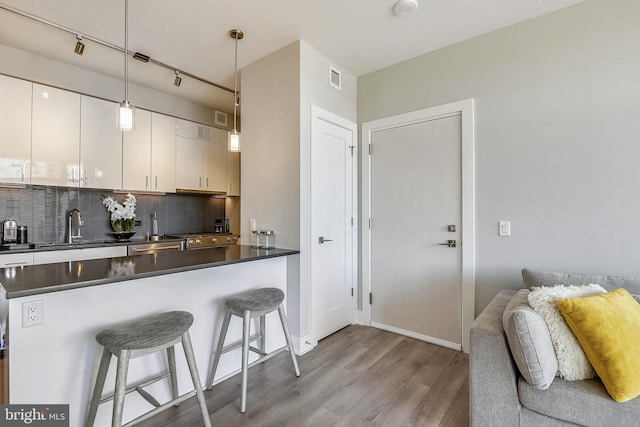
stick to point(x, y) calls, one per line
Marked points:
point(608, 329)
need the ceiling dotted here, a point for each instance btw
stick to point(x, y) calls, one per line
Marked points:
point(359, 36)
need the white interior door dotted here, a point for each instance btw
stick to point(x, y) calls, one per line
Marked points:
point(333, 183)
point(415, 199)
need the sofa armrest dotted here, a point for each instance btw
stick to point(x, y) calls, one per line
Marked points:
point(493, 375)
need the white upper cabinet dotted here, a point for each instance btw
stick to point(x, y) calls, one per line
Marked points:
point(163, 153)
point(201, 160)
point(136, 148)
point(55, 143)
point(215, 161)
point(188, 163)
point(100, 144)
point(233, 173)
point(15, 130)
point(149, 161)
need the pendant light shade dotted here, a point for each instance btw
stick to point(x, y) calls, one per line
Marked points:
point(126, 110)
point(234, 135)
point(234, 141)
point(126, 116)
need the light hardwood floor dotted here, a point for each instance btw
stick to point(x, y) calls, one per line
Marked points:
point(359, 376)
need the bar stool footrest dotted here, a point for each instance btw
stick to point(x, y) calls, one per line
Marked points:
point(137, 386)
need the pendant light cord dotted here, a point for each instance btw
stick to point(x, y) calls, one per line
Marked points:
point(126, 49)
point(235, 84)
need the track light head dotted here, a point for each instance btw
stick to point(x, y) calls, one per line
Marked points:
point(141, 57)
point(178, 79)
point(79, 45)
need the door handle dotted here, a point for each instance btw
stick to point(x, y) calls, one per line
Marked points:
point(321, 240)
point(449, 244)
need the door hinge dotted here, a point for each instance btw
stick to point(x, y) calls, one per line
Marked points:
point(352, 221)
point(369, 223)
point(370, 149)
point(370, 298)
point(351, 291)
point(351, 147)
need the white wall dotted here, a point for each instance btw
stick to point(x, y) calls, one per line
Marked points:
point(25, 65)
point(557, 140)
point(278, 92)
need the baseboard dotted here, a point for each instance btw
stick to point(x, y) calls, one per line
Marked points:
point(421, 337)
point(304, 344)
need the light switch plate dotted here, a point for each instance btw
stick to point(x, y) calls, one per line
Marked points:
point(504, 228)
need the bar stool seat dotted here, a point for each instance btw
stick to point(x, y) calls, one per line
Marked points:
point(137, 338)
point(248, 305)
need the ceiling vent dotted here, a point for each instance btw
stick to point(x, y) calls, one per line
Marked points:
point(405, 7)
point(335, 78)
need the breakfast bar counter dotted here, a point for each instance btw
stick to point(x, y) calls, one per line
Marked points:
point(39, 279)
point(54, 361)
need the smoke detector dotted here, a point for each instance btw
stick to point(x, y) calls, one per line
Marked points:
point(405, 7)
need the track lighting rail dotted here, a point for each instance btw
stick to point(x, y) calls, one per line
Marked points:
point(111, 46)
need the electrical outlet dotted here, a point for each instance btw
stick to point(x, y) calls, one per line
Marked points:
point(32, 313)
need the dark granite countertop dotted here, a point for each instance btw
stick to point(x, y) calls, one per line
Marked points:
point(62, 276)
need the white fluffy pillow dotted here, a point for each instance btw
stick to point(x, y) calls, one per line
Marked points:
point(572, 362)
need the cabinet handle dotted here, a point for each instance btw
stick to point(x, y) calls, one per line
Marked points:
point(199, 182)
point(156, 182)
point(86, 177)
point(207, 183)
point(23, 172)
point(16, 263)
point(146, 182)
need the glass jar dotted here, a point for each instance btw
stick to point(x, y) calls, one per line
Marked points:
point(266, 239)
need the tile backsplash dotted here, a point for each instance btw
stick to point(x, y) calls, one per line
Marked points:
point(44, 210)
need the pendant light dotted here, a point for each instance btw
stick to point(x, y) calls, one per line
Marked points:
point(234, 136)
point(126, 109)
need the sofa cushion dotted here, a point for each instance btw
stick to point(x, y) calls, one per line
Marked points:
point(585, 403)
point(533, 278)
point(529, 341)
point(573, 364)
point(608, 328)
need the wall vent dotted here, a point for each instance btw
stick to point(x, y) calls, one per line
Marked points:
point(220, 118)
point(335, 78)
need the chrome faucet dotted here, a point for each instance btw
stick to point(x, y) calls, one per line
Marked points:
point(70, 236)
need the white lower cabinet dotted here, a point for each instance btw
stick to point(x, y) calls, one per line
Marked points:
point(16, 260)
point(48, 257)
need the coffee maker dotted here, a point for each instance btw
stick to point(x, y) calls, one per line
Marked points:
point(9, 231)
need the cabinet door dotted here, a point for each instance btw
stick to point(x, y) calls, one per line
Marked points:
point(55, 137)
point(233, 173)
point(163, 153)
point(48, 257)
point(136, 149)
point(188, 163)
point(100, 144)
point(16, 260)
point(214, 169)
point(15, 130)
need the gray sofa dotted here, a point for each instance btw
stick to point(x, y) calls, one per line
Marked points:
point(499, 395)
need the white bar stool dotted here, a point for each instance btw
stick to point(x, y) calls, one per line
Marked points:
point(249, 305)
point(138, 338)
